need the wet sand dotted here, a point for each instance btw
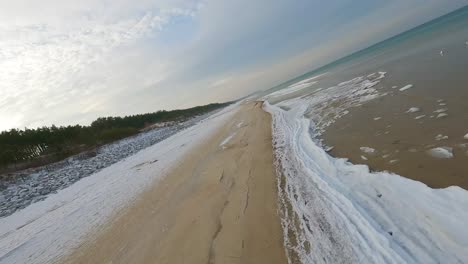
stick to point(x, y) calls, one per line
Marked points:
point(219, 205)
point(402, 138)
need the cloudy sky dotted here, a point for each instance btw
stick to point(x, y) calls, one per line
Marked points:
point(70, 61)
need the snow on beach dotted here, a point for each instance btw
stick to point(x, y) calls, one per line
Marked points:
point(346, 214)
point(47, 230)
point(338, 212)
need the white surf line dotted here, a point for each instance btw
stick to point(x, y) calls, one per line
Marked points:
point(47, 230)
point(347, 214)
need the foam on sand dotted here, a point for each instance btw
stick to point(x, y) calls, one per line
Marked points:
point(406, 87)
point(338, 212)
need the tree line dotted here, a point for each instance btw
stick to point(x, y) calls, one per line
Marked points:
point(17, 146)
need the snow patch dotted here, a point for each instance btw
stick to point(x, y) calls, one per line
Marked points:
point(47, 230)
point(227, 139)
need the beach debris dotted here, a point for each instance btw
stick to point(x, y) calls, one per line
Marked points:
point(442, 115)
point(379, 195)
point(419, 117)
point(377, 118)
point(413, 110)
point(390, 233)
point(440, 137)
point(406, 87)
point(441, 152)
point(367, 150)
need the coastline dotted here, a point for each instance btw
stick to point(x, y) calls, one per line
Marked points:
point(218, 205)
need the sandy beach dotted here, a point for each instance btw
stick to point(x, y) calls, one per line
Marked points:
point(219, 205)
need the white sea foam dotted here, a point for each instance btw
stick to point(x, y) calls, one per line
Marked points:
point(332, 103)
point(406, 87)
point(440, 137)
point(342, 213)
point(49, 229)
point(367, 150)
point(419, 117)
point(413, 110)
point(442, 115)
point(466, 136)
point(295, 87)
point(441, 110)
point(441, 152)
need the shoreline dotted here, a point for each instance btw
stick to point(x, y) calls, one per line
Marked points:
point(218, 205)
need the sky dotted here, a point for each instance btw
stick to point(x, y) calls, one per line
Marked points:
point(68, 62)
